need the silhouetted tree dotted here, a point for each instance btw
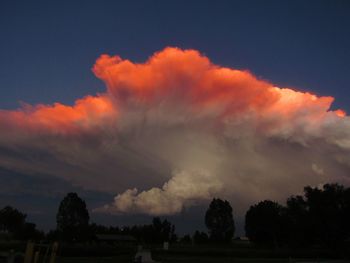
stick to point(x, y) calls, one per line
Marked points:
point(73, 218)
point(162, 230)
point(186, 239)
point(328, 214)
point(265, 223)
point(100, 229)
point(219, 221)
point(321, 217)
point(14, 222)
point(200, 238)
point(28, 231)
point(297, 222)
point(157, 232)
point(11, 219)
point(52, 235)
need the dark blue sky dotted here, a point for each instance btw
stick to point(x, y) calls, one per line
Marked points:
point(48, 47)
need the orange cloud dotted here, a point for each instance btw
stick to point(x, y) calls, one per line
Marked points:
point(177, 78)
point(61, 119)
point(185, 77)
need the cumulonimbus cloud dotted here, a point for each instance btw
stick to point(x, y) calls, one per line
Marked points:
point(177, 130)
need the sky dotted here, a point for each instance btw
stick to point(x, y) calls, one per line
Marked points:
point(102, 147)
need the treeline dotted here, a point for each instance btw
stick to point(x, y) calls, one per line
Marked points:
point(156, 232)
point(318, 218)
point(73, 226)
point(13, 225)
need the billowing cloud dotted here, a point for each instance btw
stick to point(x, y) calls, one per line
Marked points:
point(182, 188)
point(178, 130)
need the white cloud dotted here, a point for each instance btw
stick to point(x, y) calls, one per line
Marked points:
point(176, 131)
point(182, 189)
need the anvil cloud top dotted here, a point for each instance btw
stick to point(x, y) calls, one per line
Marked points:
point(179, 120)
point(188, 100)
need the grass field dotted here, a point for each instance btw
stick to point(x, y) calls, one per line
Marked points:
point(115, 259)
point(179, 253)
point(180, 259)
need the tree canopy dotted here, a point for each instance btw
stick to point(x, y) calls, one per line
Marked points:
point(73, 218)
point(14, 222)
point(264, 223)
point(219, 221)
point(200, 237)
point(320, 217)
point(11, 219)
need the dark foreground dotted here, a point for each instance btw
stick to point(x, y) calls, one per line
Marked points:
point(183, 253)
point(199, 259)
